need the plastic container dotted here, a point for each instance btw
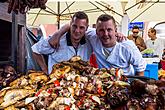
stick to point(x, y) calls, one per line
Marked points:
point(151, 71)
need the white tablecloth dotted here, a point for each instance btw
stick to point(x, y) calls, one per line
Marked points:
point(152, 60)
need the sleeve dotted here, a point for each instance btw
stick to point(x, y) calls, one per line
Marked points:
point(42, 47)
point(136, 59)
point(90, 34)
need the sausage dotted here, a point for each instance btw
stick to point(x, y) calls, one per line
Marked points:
point(10, 6)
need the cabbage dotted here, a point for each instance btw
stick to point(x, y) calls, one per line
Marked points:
point(148, 51)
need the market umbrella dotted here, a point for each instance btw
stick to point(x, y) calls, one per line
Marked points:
point(60, 12)
point(145, 10)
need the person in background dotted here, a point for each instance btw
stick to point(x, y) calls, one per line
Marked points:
point(73, 43)
point(155, 43)
point(39, 34)
point(139, 42)
point(109, 53)
point(163, 55)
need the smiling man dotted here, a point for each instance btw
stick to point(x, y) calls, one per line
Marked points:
point(73, 43)
point(110, 53)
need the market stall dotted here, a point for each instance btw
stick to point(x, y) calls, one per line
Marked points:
point(75, 85)
point(72, 84)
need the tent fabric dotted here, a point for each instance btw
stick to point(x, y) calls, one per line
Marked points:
point(62, 11)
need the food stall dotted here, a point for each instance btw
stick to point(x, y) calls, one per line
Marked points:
point(76, 85)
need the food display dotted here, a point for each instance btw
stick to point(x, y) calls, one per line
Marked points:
point(161, 74)
point(75, 85)
point(148, 53)
point(7, 75)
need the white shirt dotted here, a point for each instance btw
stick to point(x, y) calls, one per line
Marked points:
point(65, 51)
point(158, 45)
point(123, 55)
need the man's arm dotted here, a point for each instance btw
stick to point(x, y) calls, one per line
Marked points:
point(142, 46)
point(41, 62)
point(135, 58)
point(54, 40)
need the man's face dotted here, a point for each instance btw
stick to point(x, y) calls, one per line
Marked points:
point(135, 32)
point(106, 31)
point(78, 28)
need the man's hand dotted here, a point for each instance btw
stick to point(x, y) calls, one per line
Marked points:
point(120, 37)
point(45, 70)
point(54, 41)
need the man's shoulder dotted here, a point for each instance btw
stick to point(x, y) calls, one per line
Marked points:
point(148, 40)
point(129, 36)
point(91, 32)
point(128, 42)
point(140, 38)
point(127, 45)
point(160, 39)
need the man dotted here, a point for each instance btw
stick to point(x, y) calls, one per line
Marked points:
point(72, 43)
point(155, 43)
point(139, 42)
point(109, 52)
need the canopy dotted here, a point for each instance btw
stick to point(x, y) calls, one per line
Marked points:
point(60, 12)
point(145, 10)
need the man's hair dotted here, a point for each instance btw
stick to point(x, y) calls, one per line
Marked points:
point(135, 27)
point(80, 15)
point(106, 17)
point(153, 30)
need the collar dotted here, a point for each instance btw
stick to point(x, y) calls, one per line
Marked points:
point(68, 39)
point(135, 37)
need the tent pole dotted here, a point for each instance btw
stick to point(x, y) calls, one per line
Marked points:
point(36, 17)
point(67, 7)
point(109, 9)
point(97, 7)
point(142, 1)
point(144, 10)
point(58, 14)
